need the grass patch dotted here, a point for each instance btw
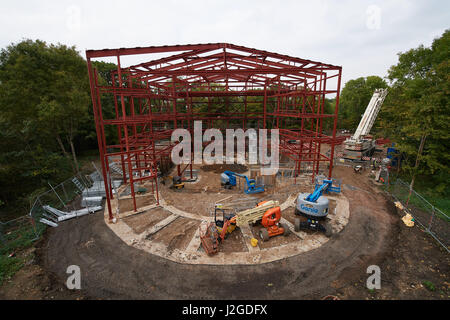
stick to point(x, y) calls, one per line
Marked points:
point(401, 192)
point(429, 285)
point(20, 238)
point(8, 267)
point(16, 237)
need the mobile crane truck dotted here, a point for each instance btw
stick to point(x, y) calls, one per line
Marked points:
point(358, 145)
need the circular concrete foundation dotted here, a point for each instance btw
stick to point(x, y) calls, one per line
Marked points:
point(192, 252)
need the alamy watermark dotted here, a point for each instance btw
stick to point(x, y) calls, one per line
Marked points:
point(373, 21)
point(374, 280)
point(73, 21)
point(74, 280)
point(213, 153)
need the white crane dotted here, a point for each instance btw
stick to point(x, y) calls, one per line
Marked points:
point(357, 146)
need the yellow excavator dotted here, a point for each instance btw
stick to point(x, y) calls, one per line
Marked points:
point(177, 182)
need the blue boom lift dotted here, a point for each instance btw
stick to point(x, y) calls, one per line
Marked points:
point(313, 207)
point(228, 180)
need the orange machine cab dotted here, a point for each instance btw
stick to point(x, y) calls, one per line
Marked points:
point(270, 221)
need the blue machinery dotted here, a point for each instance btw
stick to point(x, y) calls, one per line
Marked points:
point(228, 178)
point(314, 206)
point(318, 190)
point(332, 185)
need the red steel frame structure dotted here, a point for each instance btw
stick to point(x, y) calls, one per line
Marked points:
point(217, 83)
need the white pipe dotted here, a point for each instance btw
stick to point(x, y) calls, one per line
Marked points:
point(48, 222)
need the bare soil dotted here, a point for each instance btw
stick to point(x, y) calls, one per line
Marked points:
point(374, 235)
point(201, 196)
point(177, 234)
point(219, 168)
point(274, 241)
point(289, 214)
point(198, 197)
point(234, 242)
point(126, 204)
point(33, 282)
point(142, 221)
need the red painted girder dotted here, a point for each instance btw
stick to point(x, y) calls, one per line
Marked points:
point(168, 59)
point(210, 46)
point(153, 49)
point(282, 56)
point(189, 71)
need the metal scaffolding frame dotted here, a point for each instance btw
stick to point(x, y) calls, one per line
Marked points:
point(217, 83)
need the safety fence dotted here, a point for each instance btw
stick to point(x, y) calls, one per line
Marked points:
point(20, 232)
point(433, 220)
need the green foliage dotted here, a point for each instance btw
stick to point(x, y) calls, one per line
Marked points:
point(21, 238)
point(418, 104)
point(429, 285)
point(15, 239)
point(8, 267)
point(45, 112)
point(354, 98)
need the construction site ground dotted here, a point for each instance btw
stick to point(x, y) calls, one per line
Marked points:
point(176, 234)
point(110, 268)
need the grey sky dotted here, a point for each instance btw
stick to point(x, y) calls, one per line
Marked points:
point(346, 33)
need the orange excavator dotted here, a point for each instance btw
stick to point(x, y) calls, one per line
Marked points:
point(217, 231)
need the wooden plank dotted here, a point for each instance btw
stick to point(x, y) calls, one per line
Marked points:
point(300, 234)
point(247, 236)
point(160, 225)
point(195, 242)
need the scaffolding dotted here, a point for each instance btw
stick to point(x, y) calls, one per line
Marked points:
point(225, 86)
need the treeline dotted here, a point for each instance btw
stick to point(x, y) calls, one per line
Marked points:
point(416, 110)
point(46, 115)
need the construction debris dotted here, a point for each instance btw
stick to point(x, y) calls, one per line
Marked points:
point(91, 201)
point(399, 205)
point(98, 189)
point(62, 215)
point(219, 168)
point(408, 220)
point(48, 222)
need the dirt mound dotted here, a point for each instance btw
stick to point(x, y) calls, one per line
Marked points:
point(219, 168)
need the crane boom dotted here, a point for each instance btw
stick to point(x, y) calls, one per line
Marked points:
point(368, 119)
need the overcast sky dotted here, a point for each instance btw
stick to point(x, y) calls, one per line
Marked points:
point(363, 37)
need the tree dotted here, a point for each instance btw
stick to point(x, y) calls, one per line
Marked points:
point(44, 99)
point(418, 107)
point(355, 97)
